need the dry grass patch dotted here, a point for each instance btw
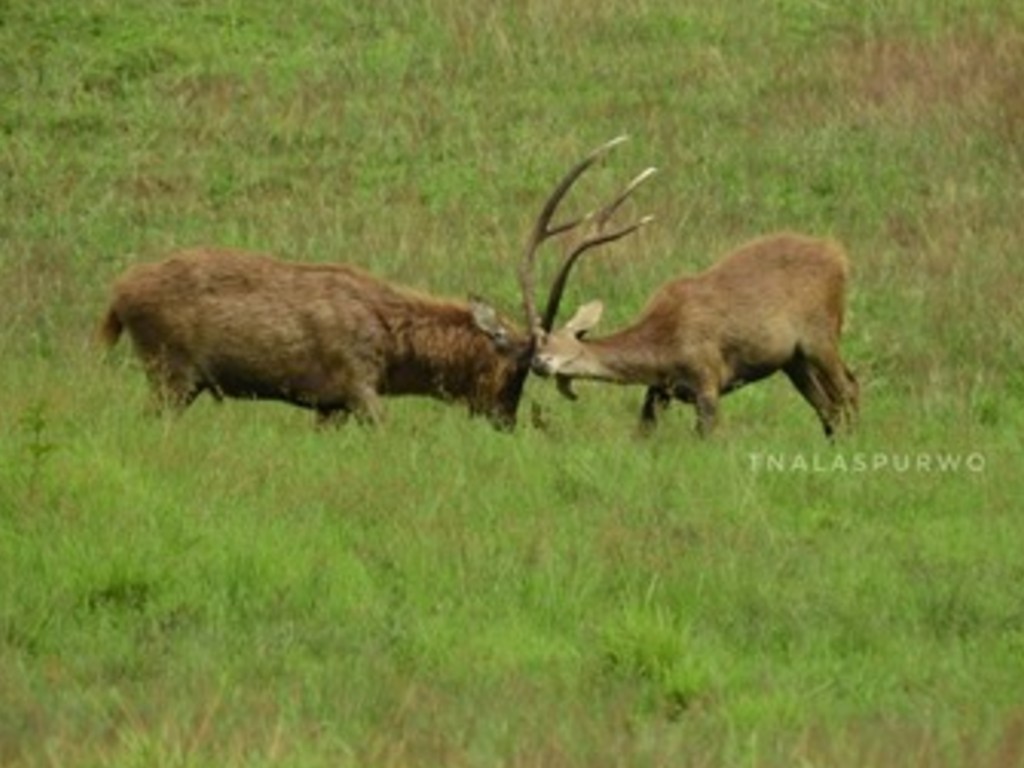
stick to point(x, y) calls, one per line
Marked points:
point(978, 75)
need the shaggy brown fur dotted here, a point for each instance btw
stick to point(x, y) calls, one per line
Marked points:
point(327, 337)
point(775, 304)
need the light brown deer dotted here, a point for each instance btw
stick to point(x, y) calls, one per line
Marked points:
point(328, 337)
point(776, 304)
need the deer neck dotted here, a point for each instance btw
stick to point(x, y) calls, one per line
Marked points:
point(624, 357)
point(438, 351)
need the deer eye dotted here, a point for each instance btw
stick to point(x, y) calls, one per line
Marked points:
point(500, 338)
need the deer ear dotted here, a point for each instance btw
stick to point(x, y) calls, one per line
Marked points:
point(586, 317)
point(485, 317)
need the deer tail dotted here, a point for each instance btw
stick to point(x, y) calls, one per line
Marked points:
point(109, 330)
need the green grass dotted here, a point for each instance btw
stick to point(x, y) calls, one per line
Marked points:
point(237, 588)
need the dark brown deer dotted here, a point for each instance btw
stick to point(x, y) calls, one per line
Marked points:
point(776, 304)
point(328, 337)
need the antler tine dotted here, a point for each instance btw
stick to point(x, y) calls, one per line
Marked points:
point(599, 237)
point(601, 217)
point(542, 229)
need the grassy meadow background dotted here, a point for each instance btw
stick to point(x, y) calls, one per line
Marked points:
point(236, 588)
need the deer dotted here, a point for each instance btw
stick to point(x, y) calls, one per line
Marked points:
point(328, 337)
point(775, 304)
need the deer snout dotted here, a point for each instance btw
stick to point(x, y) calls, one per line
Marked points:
point(546, 366)
point(543, 364)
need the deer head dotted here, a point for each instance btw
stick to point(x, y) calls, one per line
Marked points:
point(597, 221)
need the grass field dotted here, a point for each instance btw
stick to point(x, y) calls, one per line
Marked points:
point(237, 588)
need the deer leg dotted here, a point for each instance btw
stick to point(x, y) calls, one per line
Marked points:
point(851, 406)
point(684, 394)
point(840, 385)
point(366, 406)
point(706, 402)
point(331, 417)
point(808, 382)
point(173, 387)
point(367, 410)
point(656, 401)
point(168, 399)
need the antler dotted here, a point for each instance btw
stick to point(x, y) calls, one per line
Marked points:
point(599, 237)
point(542, 230)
